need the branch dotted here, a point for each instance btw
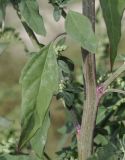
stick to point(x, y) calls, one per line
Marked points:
point(114, 76)
point(115, 90)
point(102, 88)
point(59, 35)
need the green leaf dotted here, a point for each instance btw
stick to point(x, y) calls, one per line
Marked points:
point(39, 139)
point(107, 152)
point(101, 114)
point(30, 12)
point(57, 13)
point(65, 64)
point(100, 139)
point(39, 82)
point(113, 12)
point(80, 29)
point(75, 88)
point(68, 98)
point(120, 112)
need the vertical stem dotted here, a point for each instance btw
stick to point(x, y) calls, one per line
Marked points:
point(85, 142)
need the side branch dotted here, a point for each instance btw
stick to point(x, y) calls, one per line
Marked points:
point(103, 88)
point(115, 90)
point(114, 76)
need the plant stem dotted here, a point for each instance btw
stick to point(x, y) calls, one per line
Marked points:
point(59, 35)
point(85, 143)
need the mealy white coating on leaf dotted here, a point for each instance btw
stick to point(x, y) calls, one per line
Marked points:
point(39, 81)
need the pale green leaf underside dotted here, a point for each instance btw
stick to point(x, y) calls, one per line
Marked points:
point(30, 12)
point(80, 29)
point(113, 12)
point(39, 139)
point(39, 81)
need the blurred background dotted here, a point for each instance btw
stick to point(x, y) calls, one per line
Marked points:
point(14, 57)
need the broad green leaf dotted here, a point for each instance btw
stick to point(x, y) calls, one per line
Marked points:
point(80, 29)
point(101, 140)
point(113, 12)
point(68, 98)
point(108, 152)
point(63, 66)
point(39, 82)
point(39, 139)
point(30, 12)
point(101, 114)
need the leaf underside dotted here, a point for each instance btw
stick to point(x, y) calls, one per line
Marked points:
point(79, 28)
point(113, 12)
point(30, 12)
point(39, 139)
point(39, 81)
